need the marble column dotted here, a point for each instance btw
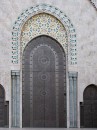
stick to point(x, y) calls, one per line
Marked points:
point(15, 99)
point(73, 99)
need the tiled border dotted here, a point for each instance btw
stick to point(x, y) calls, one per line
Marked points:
point(94, 3)
point(44, 24)
point(16, 33)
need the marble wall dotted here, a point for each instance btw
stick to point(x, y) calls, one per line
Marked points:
point(84, 19)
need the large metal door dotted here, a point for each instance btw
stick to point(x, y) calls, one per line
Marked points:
point(44, 84)
point(90, 107)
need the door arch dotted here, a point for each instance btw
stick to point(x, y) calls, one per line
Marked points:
point(44, 84)
point(90, 106)
point(2, 107)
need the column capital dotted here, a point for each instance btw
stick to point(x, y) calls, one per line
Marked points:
point(73, 74)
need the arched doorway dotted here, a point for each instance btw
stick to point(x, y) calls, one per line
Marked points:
point(44, 84)
point(2, 96)
point(90, 107)
point(4, 109)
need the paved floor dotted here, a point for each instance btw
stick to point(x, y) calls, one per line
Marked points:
point(48, 128)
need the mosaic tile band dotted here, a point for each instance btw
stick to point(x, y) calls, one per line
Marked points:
point(94, 3)
point(44, 24)
point(43, 8)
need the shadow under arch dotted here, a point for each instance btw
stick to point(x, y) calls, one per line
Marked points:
point(4, 109)
point(88, 108)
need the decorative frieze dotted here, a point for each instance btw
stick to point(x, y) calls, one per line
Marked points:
point(94, 3)
point(44, 24)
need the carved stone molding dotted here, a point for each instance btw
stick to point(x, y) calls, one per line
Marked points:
point(43, 8)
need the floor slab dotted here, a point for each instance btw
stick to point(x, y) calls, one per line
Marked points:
point(48, 128)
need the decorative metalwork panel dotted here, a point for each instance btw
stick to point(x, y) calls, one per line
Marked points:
point(51, 10)
point(90, 107)
point(44, 84)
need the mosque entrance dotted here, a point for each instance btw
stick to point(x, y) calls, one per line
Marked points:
point(89, 107)
point(44, 84)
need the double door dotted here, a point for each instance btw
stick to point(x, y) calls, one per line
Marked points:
point(44, 84)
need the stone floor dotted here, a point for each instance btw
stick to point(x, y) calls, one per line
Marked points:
point(48, 128)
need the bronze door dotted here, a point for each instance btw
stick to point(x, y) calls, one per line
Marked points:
point(90, 107)
point(44, 84)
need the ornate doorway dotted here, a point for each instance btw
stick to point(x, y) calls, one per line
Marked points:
point(44, 84)
point(89, 107)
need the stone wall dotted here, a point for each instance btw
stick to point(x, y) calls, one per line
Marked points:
point(84, 19)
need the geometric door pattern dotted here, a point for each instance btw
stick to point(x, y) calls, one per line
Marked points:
point(90, 107)
point(44, 84)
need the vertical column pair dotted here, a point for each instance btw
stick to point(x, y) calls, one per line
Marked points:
point(15, 99)
point(73, 99)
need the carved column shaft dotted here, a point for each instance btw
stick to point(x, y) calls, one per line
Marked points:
point(73, 99)
point(15, 99)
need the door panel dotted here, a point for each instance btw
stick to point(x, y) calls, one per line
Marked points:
point(44, 82)
point(90, 107)
point(4, 109)
point(88, 115)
